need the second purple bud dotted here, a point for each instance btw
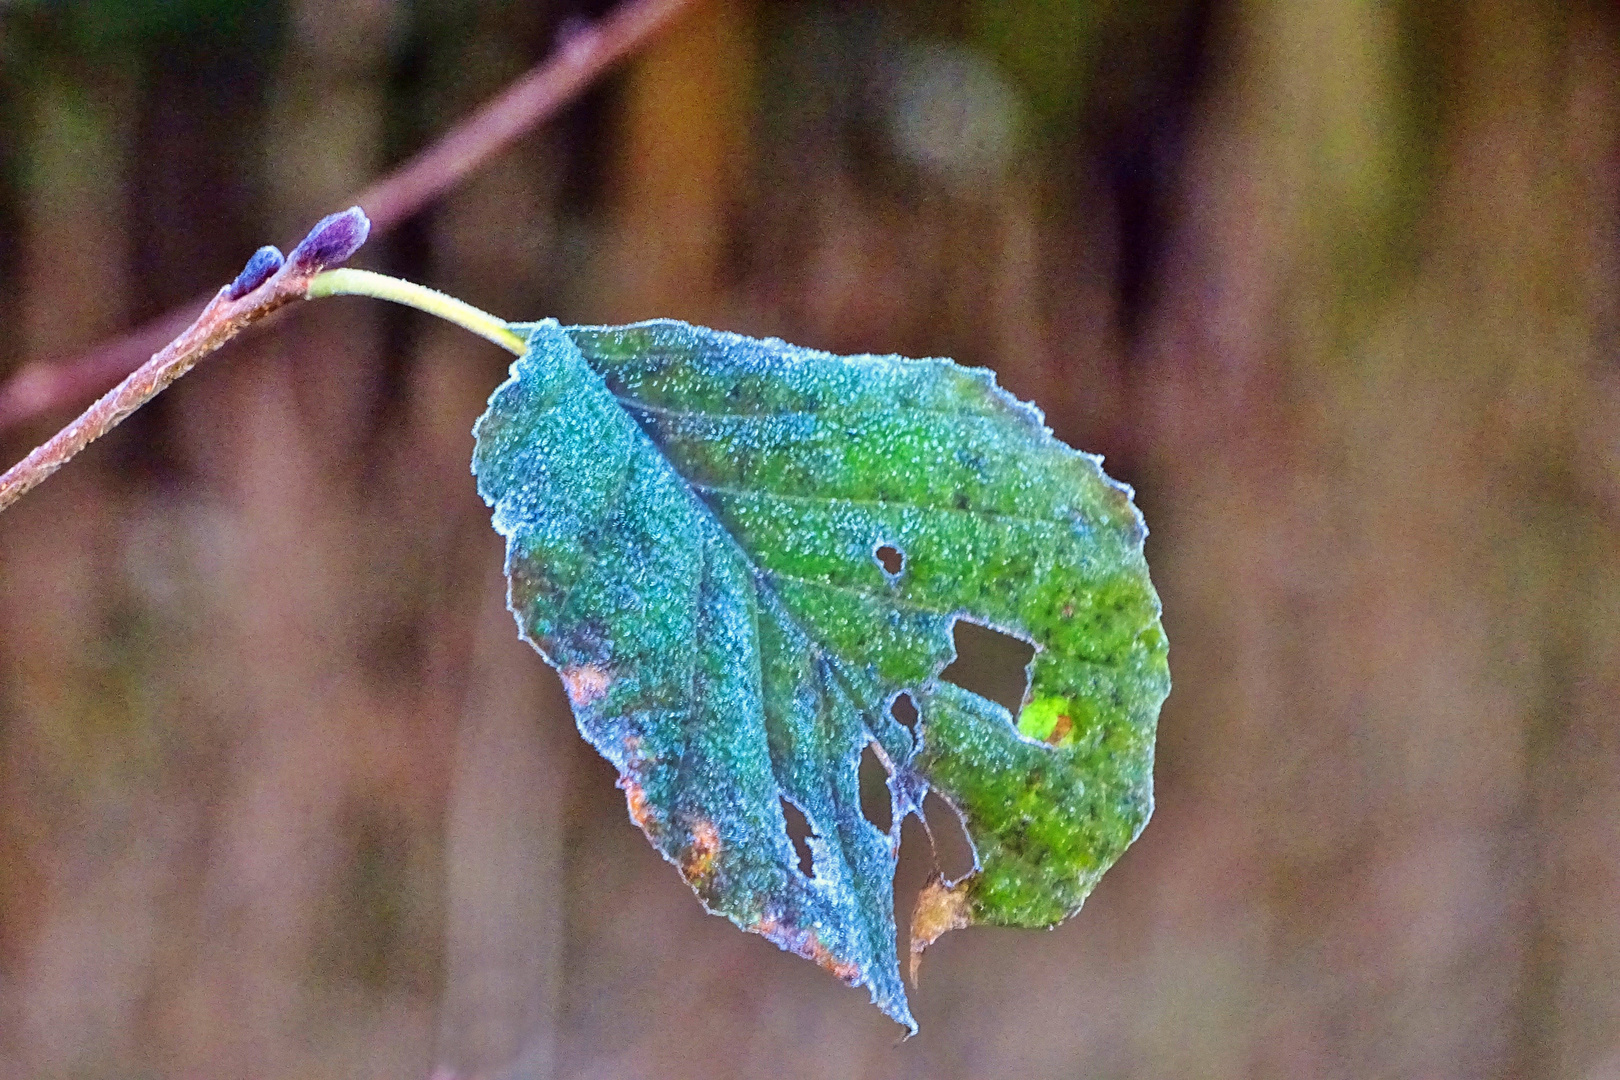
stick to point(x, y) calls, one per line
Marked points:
point(333, 239)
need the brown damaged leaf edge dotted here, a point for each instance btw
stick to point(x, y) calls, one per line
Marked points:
point(807, 943)
point(940, 908)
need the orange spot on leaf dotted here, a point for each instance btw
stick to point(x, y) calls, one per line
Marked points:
point(844, 969)
point(698, 861)
point(586, 683)
point(636, 799)
point(1060, 730)
point(807, 943)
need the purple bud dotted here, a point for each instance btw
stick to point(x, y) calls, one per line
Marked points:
point(264, 262)
point(333, 239)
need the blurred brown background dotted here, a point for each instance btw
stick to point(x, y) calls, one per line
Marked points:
point(1336, 285)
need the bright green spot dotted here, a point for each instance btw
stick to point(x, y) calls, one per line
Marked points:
point(693, 524)
point(1049, 720)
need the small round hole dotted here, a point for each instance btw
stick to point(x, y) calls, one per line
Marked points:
point(890, 558)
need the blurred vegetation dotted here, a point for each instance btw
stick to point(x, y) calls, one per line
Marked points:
point(1336, 286)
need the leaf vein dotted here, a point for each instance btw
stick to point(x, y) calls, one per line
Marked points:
point(886, 504)
point(888, 408)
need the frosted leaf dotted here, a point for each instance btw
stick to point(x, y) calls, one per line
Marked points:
point(741, 555)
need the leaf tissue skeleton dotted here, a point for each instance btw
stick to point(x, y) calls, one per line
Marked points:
point(739, 554)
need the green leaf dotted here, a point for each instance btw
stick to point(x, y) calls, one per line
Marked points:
point(694, 522)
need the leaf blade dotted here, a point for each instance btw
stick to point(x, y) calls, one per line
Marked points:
point(693, 520)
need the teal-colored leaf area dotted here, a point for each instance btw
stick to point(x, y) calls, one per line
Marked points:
point(694, 525)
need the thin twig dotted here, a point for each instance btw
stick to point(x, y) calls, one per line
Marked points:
point(585, 54)
point(220, 321)
point(269, 281)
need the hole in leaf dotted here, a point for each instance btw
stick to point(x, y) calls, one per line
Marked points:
point(875, 799)
point(991, 664)
point(904, 710)
point(953, 852)
point(800, 832)
point(891, 558)
point(911, 873)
